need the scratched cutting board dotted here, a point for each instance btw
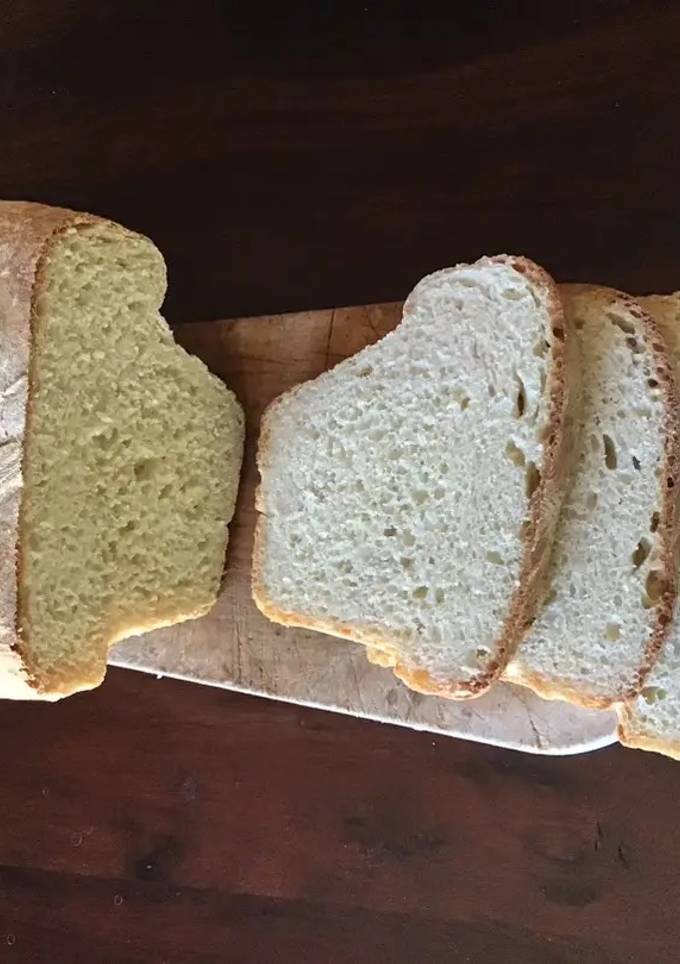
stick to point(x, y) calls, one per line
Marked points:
point(235, 647)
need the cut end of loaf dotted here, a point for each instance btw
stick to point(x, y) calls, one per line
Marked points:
point(131, 461)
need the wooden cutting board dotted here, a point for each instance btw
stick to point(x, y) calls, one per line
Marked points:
point(237, 648)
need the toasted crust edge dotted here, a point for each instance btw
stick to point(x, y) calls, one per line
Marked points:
point(542, 514)
point(552, 688)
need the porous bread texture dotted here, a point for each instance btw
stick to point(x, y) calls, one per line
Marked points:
point(612, 581)
point(408, 496)
point(132, 452)
point(651, 721)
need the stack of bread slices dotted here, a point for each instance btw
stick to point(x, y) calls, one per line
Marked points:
point(490, 492)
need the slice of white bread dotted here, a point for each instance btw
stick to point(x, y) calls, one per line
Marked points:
point(612, 581)
point(119, 452)
point(408, 496)
point(651, 721)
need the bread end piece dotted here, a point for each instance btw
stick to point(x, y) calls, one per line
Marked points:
point(89, 380)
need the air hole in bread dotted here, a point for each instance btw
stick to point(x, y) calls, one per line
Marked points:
point(463, 402)
point(515, 454)
point(365, 372)
point(106, 439)
point(495, 557)
point(420, 496)
point(634, 345)
point(612, 632)
point(439, 596)
point(623, 323)
point(533, 479)
point(546, 435)
point(591, 500)
point(670, 482)
point(654, 588)
point(521, 400)
point(558, 333)
point(636, 463)
point(652, 694)
point(610, 459)
point(420, 592)
point(145, 469)
point(652, 382)
point(492, 390)
point(512, 294)
point(541, 348)
point(641, 552)
point(406, 562)
point(389, 532)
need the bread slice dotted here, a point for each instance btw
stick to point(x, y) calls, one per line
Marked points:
point(408, 496)
point(119, 453)
point(612, 579)
point(651, 721)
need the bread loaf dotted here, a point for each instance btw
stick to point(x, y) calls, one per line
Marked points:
point(119, 453)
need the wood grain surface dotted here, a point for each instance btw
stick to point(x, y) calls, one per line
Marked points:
point(290, 156)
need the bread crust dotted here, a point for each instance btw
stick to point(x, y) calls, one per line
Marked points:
point(27, 230)
point(629, 735)
point(541, 519)
point(551, 688)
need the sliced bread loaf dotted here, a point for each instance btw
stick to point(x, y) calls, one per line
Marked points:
point(119, 453)
point(651, 720)
point(408, 496)
point(612, 582)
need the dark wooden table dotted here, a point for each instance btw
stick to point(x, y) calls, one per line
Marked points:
point(306, 155)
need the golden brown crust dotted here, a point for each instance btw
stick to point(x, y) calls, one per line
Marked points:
point(25, 232)
point(551, 688)
point(542, 518)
